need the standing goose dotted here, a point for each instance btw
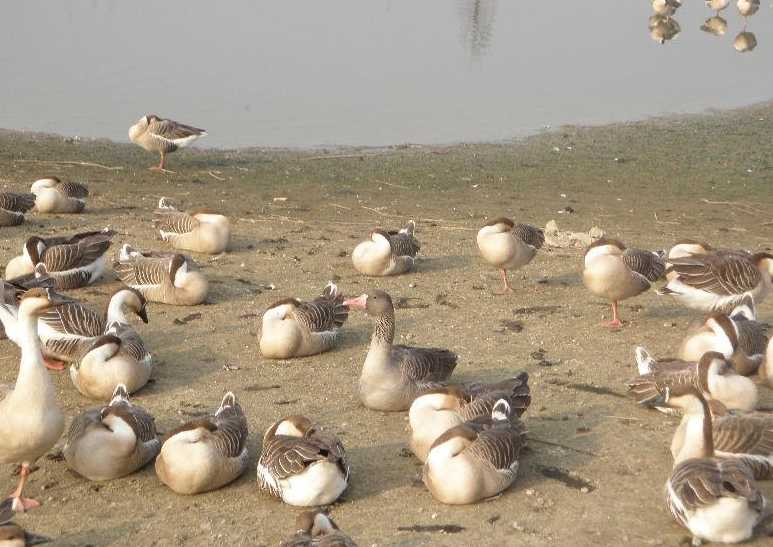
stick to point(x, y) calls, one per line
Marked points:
point(302, 465)
point(206, 453)
point(30, 418)
point(54, 196)
point(316, 529)
point(616, 273)
point(475, 460)
point(201, 230)
point(438, 410)
point(113, 441)
point(13, 206)
point(509, 246)
point(13, 535)
point(394, 375)
point(168, 278)
point(715, 498)
point(292, 328)
point(387, 252)
point(156, 134)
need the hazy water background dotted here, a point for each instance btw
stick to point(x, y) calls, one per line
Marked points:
point(364, 72)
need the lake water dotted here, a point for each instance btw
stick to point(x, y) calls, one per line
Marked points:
point(304, 73)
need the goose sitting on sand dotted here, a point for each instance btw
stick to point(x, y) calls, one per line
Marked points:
point(438, 410)
point(292, 328)
point(509, 246)
point(13, 206)
point(616, 273)
point(54, 196)
point(113, 441)
point(387, 252)
point(200, 230)
point(156, 134)
point(394, 375)
point(316, 529)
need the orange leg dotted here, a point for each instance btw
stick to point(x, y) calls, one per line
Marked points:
point(161, 167)
point(615, 323)
point(506, 281)
point(21, 504)
point(53, 364)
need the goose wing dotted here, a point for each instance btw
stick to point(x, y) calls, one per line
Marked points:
point(424, 366)
point(171, 130)
point(744, 434)
point(141, 272)
point(531, 235)
point(483, 397)
point(73, 190)
point(174, 222)
point(19, 203)
point(752, 336)
point(667, 373)
point(74, 319)
point(322, 314)
point(231, 430)
point(498, 445)
point(645, 263)
point(404, 244)
point(131, 342)
point(77, 254)
point(723, 274)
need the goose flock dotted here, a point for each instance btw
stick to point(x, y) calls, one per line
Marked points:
point(469, 436)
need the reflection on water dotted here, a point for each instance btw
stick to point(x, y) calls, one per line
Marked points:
point(477, 24)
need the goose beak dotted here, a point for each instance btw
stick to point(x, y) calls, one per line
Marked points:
point(143, 314)
point(359, 303)
point(35, 539)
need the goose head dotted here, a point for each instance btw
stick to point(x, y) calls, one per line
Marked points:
point(764, 262)
point(294, 426)
point(33, 249)
point(725, 331)
point(132, 300)
point(374, 302)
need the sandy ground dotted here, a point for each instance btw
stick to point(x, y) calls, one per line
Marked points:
point(645, 183)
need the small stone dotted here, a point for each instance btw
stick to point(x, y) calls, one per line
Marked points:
point(584, 490)
point(529, 492)
point(517, 526)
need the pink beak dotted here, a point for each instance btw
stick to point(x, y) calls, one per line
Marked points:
point(358, 303)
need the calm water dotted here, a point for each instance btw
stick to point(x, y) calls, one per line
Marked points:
point(310, 72)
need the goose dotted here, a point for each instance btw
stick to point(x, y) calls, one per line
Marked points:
point(316, 529)
point(168, 278)
point(715, 498)
point(685, 248)
point(438, 410)
point(394, 375)
point(206, 453)
point(292, 328)
point(616, 273)
point(717, 5)
point(745, 41)
point(666, 8)
point(747, 8)
point(13, 535)
point(387, 252)
point(475, 460)
point(201, 230)
point(302, 465)
point(509, 246)
point(113, 441)
point(54, 196)
point(13, 206)
point(30, 418)
point(156, 134)
point(715, 25)
point(73, 262)
point(719, 281)
point(663, 29)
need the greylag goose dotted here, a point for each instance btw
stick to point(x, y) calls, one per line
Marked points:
point(715, 25)
point(13, 206)
point(156, 134)
point(747, 8)
point(394, 375)
point(201, 230)
point(717, 5)
point(666, 8)
point(113, 441)
point(73, 262)
point(745, 41)
point(387, 252)
point(685, 248)
point(477, 459)
point(716, 499)
point(54, 196)
point(292, 328)
point(663, 29)
point(30, 418)
point(302, 465)
point(509, 246)
point(438, 410)
point(168, 278)
point(616, 273)
point(316, 529)
point(13, 535)
point(206, 453)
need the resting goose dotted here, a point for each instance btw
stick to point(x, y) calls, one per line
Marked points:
point(717, 5)
point(302, 465)
point(156, 134)
point(54, 196)
point(616, 273)
point(715, 498)
point(475, 460)
point(747, 8)
point(13, 535)
point(206, 453)
point(715, 25)
point(666, 8)
point(201, 230)
point(685, 248)
point(387, 252)
point(292, 328)
point(509, 246)
point(394, 375)
point(73, 262)
point(438, 410)
point(663, 29)
point(13, 206)
point(745, 41)
point(316, 529)
point(113, 441)
point(30, 418)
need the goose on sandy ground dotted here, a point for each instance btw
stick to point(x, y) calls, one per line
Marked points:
point(385, 252)
point(54, 196)
point(200, 230)
point(394, 375)
point(477, 459)
point(316, 529)
point(206, 453)
point(301, 464)
point(30, 418)
point(616, 273)
point(438, 410)
point(156, 134)
point(13, 535)
point(113, 441)
point(13, 206)
point(293, 328)
point(509, 246)
point(716, 499)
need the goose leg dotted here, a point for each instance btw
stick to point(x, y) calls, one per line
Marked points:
point(21, 504)
point(508, 288)
point(53, 364)
point(161, 167)
point(615, 323)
